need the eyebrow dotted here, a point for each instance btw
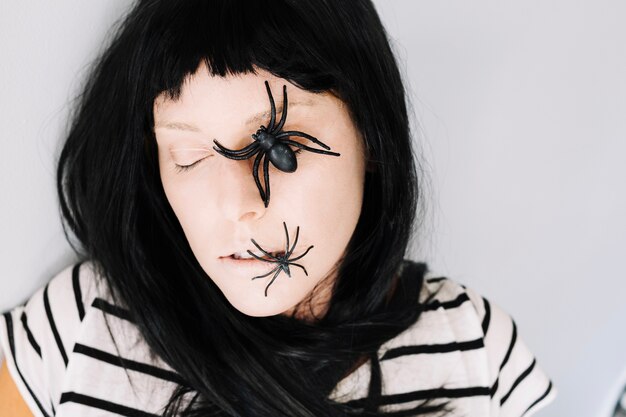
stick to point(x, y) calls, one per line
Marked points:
point(257, 118)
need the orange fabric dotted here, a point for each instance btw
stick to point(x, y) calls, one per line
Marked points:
point(11, 401)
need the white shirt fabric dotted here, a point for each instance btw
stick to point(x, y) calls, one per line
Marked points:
point(62, 358)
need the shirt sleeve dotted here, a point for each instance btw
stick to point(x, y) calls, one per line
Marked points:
point(519, 387)
point(37, 337)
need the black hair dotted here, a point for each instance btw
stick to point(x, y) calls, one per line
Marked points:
point(112, 200)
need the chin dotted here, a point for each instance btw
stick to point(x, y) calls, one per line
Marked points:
point(261, 306)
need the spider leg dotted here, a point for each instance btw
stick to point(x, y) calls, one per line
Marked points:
point(299, 145)
point(273, 278)
point(262, 259)
point(288, 254)
point(264, 252)
point(265, 275)
point(287, 235)
point(304, 135)
point(285, 267)
point(255, 174)
point(298, 265)
point(236, 157)
point(273, 105)
point(241, 151)
point(284, 115)
point(266, 177)
point(305, 252)
point(236, 154)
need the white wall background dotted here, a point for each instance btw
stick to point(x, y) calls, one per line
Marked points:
point(521, 111)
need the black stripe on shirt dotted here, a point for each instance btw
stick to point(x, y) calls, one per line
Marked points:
point(129, 364)
point(434, 348)
point(511, 345)
point(101, 404)
point(494, 387)
point(519, 379)
point(487, 318)
point(423, 395)
point(53, 326)
point(111, 309)
point(78, 295)
point(29, 334)
point(486, 322)
point(375, 387)
point(545, 394)
point(460, 299)
point(9, 324)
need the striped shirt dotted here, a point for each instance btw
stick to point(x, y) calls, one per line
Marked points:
point(62, 358)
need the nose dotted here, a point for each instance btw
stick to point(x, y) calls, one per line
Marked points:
point(238, 198)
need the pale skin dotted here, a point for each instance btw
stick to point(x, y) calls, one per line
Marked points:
point(217, 201)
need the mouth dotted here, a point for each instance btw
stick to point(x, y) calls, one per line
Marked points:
point(246, 256)
point(245, 264)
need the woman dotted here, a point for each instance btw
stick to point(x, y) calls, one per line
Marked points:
point(240, 182)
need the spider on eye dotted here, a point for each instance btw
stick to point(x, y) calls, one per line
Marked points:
point(272, 143)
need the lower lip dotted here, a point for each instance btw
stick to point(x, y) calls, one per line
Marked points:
point(248, 266)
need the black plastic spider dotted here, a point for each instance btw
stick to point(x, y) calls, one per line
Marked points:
point(283, 261)
point(272, 143)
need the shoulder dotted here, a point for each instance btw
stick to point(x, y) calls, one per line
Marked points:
point(463, 348)
point(37, 336)
point(516, 383)
point(69, 330)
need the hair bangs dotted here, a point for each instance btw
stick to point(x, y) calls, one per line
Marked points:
point(235, 37)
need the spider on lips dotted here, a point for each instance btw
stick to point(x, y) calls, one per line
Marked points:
point(283, 261)
point(272, 143)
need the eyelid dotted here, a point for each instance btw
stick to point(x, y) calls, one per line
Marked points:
point(190, 149)
point(183, 168)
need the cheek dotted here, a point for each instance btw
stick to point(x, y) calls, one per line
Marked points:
point(187, 202)
point(329, 200)
point(185, 191)
point(336, 186)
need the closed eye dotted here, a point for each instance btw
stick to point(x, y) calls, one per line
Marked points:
point(183, 168)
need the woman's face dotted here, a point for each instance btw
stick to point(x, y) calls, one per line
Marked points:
point(217, 201)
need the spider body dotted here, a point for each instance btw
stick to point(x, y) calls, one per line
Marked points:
point(279, 154)
point(283, 260)
point(272, 144)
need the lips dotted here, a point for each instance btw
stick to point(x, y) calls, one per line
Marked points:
point(240, 260)
point(242, 251)
point(258, 253)
point(247, 267)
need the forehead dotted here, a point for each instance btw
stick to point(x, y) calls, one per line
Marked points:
point(237, 100)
